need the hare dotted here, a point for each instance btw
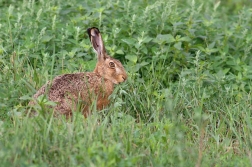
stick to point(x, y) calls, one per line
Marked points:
point(80, 90)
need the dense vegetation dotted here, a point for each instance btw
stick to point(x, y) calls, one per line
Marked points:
point(187, 101)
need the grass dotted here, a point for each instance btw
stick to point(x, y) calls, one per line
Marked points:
point(187, 101)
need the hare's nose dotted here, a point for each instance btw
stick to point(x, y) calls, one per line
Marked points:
point(124, 78)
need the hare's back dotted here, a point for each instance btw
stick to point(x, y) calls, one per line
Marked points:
point(74, 83)
point(70, 84)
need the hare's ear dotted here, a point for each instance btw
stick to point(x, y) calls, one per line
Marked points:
point(96, 40)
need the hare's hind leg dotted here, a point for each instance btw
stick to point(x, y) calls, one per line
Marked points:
point(64, 107)
point(68, 106)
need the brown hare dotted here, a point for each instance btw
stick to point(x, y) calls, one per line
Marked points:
point(80, 90)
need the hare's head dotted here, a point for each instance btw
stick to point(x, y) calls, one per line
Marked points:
point(106, 66)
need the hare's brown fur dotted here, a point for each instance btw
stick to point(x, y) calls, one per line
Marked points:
point(70, 91)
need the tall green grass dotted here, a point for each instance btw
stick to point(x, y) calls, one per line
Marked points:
point(187, 101)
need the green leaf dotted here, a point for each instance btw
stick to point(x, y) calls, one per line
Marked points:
point(90, 65)
point(120, 52)
point(132, 58)
point(144, 63)
point(46, 38)
point(186, 39)
point(166, 38)
point(129, 41)
point(73, 41)
point(25, 97)
point(178, 45)
point(147, 39)
point(50, 103)
point(211, 46)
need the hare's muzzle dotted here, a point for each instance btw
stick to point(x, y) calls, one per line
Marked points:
point(121, 78)
point(124, 78)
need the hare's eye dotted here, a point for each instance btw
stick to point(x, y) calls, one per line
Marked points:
point(111, 64)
